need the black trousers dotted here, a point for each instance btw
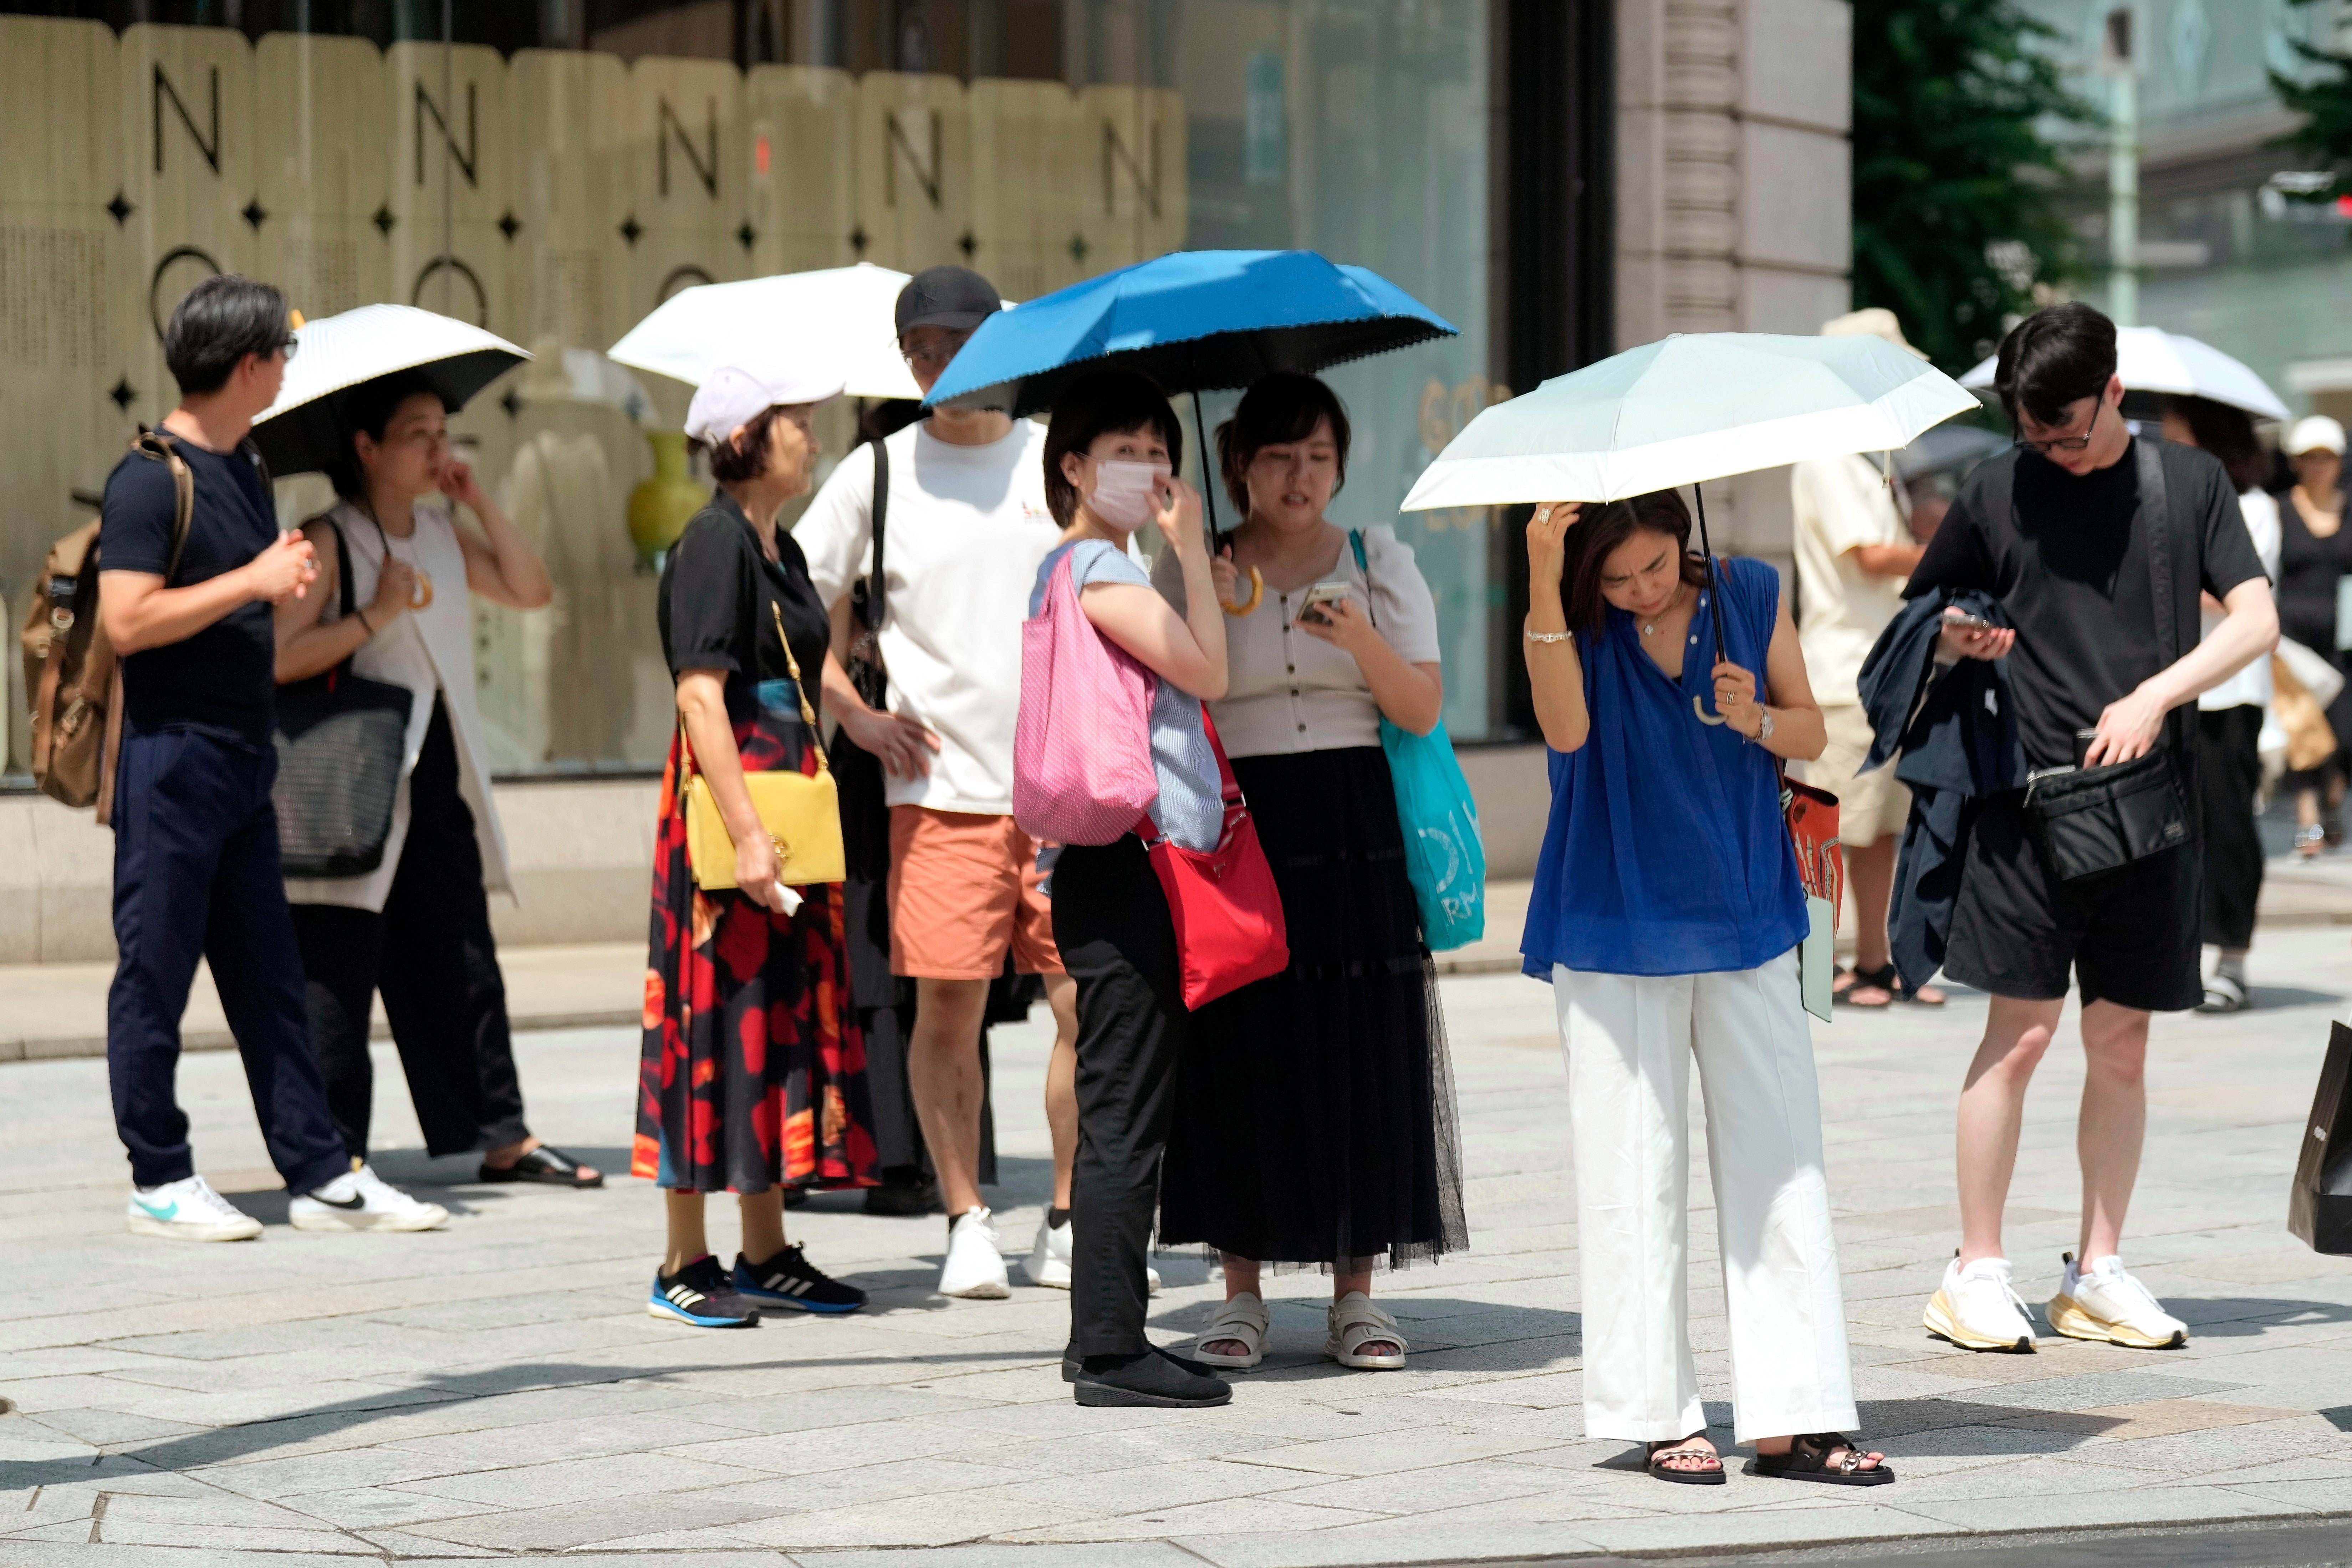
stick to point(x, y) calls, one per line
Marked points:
point(197, 875)
point(2229, 775)
point(431, 955)
point(1110, 921)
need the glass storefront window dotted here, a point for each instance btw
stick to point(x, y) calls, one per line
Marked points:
point(553, 169)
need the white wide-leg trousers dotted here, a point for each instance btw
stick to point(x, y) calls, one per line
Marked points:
point(1629, 1040)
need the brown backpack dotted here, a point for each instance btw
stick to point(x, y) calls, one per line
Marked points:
point(70, 670)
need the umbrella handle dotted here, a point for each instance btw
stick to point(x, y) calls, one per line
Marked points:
point(1208, 483)
point(1698, 705)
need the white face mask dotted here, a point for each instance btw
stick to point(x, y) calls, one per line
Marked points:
point(1122, 495)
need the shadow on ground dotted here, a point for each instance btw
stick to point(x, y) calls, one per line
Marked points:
point(225, 1444)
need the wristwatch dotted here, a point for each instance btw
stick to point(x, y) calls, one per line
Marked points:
point(1764, 725)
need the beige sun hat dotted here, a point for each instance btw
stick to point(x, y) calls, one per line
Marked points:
point(1876, 322)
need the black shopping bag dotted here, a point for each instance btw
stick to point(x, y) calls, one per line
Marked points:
point(2320, 1209)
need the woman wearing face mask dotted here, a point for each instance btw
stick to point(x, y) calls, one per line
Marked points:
point(417, 929)
point(1666, 914)
point(1315, 1118)
point(1109, 458)
point(752, 1075)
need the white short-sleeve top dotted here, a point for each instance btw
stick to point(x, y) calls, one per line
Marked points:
point(1291, 692)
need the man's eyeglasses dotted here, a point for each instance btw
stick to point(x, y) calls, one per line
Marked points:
point(2068, 443)
point(288, 347)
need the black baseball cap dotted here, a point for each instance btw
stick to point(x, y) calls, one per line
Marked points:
point(954, 296)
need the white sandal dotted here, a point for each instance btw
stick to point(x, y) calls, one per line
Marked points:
point(1243, 1318)
point(1355, 1322)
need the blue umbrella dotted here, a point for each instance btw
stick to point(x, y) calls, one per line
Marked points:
point(1193, 321)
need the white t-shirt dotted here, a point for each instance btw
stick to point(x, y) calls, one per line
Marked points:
point(2251, 687)
point(1842, 503)
point(967, 529)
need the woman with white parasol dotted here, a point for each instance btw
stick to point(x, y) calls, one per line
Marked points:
point(374, 414)
point(1667, 910)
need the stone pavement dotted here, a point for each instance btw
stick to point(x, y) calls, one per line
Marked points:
point(496, 1389)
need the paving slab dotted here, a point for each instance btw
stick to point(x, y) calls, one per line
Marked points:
point(496, 1389)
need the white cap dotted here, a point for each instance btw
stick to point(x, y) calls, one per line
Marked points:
point(2316, 434)
point(732, 397)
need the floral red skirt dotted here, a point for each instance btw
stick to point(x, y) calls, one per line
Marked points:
point(753, 1070)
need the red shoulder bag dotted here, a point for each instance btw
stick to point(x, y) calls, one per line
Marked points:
point(1223, 903)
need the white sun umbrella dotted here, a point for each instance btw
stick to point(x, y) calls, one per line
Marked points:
point(1702, 405)
point(840, 322)
point(306, 428)
point(2151, 359)
point(1690, 408)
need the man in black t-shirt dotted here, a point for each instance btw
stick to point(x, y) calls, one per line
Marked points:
point(195, 838)
point(2068, 557)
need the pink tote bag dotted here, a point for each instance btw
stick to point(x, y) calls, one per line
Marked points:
point(1082, 746)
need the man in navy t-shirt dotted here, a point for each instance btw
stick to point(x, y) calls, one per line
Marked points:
point(195, 836)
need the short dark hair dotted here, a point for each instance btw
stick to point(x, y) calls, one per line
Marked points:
point(221, 321)
point(370, 406)
point(1283, 406)
point(1107, 401)
point(743, 457)
point(1597, 533)
point(2052, 359)
point(2229, 434)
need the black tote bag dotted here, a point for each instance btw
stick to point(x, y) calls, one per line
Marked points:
point(341, 739)
point(2319, 1210)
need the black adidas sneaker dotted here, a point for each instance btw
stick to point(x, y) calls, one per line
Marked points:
point(790, 1279)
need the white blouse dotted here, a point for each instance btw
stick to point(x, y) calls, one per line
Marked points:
point(1291, 692)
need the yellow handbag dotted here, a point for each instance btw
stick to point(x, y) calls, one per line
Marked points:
point(802, 813)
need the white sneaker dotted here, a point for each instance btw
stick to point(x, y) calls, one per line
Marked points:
point(188, 1210)
point(362, 1200)
point(974, 1268)
point(1976, 1310)
point(2106, 1304)
point(1048, 1263)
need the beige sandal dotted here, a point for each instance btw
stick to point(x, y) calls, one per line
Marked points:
point(1243, 1318)
point(1354, 1323)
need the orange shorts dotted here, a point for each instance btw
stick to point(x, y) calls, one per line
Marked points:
point(963, 888)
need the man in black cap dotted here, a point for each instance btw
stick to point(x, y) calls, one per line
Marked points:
point(965, 527)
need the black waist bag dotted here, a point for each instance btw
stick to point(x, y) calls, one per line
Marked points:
point(340, 740)
point(2095, 819)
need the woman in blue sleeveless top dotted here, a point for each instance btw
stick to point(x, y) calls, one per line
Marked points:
point(1667, 915)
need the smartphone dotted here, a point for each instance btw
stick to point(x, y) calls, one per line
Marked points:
point(1966, 622)
point(1320, 593)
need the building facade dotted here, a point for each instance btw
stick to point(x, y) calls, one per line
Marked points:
point(1558, 178)
point(2227, 252)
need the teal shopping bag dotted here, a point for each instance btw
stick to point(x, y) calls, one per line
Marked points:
point(1444, 857)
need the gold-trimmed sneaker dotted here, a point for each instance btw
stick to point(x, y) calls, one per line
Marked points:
point(2105, 1302)
point(1976, 1310)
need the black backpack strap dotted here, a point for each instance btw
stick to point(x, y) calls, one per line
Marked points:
point(875, 579)
point(2154, 507)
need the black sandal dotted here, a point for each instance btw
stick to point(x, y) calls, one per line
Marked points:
point(1808, 1459)
point(1685, 1449)
point(546, 1166)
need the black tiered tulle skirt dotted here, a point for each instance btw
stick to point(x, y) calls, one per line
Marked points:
point(1315, 1119)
